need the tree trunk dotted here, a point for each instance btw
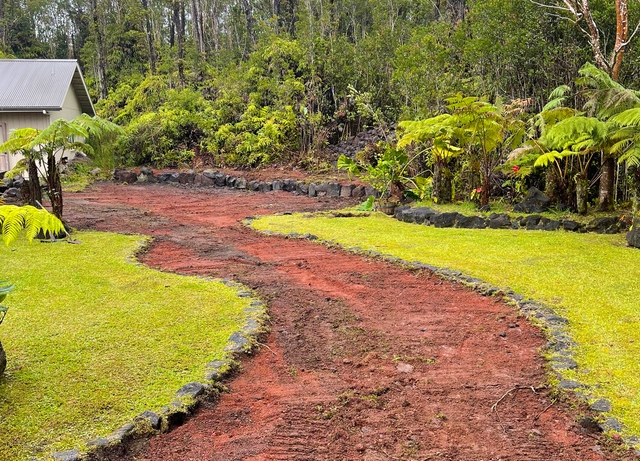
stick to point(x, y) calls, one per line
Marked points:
point(196, 14)
point(152, 50)
point(216, 26)
point(100, 50)
point(442, 188)
point(276, 14)
point(54, 186)
point(248, 14)
point(179, 24)
point(486, 189)
point(607, 177)
point(582, 194)
point(35, 192)
point(457, 10)
point(622, 37)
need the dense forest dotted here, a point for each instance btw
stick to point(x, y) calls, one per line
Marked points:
point(251, 82)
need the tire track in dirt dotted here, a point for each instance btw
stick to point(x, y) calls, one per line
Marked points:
point(366, 361)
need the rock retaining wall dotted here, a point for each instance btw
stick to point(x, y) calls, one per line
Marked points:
point(212, 178)
point(428, 216)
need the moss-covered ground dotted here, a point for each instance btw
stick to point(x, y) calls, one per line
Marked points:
point(93, 340)
point(591, 279)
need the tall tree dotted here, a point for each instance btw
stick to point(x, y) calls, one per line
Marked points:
point(149, 31)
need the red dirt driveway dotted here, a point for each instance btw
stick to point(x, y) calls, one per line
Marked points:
point(365, 360)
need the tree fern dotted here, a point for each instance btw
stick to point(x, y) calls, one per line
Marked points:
point(557, 98)
point(605, 97)
point(33, 221)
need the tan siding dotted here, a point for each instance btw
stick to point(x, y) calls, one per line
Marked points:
point(16, 120)
point(70, 107)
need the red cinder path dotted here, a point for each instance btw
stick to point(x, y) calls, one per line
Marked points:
point(365, 360)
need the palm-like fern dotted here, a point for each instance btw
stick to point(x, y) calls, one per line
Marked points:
point(605, 97)
point(33, 221)
point(628, 136)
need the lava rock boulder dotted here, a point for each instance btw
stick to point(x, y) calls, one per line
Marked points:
point(534, 202)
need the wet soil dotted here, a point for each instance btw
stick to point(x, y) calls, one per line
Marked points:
point(365, 360)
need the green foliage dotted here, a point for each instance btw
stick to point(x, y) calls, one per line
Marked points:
point(605, 97)
point(436, 134)
point(421, 188)
point(262, 135)
point(389, 168)
point(103, 137)
point(170, 131)
point(367, 205)
point(33, 221)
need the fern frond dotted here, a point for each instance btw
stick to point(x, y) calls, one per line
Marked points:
point(527, 149)
point(548, 158)
point(12, 224)
point(15, 219)
point(631, 156)
point(18, 169)
point(557, 98)
point(606, 97)
point(630, 117)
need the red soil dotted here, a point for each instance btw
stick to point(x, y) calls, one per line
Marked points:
point(365, 360)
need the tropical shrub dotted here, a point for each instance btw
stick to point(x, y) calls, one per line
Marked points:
point(262, 135)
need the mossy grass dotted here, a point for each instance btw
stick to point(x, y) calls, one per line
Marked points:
point(93, 340)
point(591, 279)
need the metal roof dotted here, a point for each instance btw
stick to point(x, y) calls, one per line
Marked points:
point(41, 84)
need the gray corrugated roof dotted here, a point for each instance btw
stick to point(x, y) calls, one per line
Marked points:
point(40, 84)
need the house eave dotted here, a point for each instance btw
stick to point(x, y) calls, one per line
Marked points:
point(30, 109)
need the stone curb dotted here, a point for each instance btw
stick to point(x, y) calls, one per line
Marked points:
point(213, 178)
point(559, 344)
point(189, 396)
point(428, 216)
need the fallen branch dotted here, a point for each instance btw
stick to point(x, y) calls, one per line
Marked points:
point(546, 408)
point(264, 345)
point(516, 388)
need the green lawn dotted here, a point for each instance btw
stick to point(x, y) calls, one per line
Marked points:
point(93, 340)
point(590, 279)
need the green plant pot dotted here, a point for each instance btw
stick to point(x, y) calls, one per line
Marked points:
point(3, 360)
point(386, 206)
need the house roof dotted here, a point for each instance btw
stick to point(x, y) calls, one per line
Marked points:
point(41, 84)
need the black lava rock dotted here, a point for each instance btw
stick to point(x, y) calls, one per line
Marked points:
point(471, 222)
point(499, 221)
point(606, 225)
point(418, 215)
point(444, 219)
point(534, 202)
